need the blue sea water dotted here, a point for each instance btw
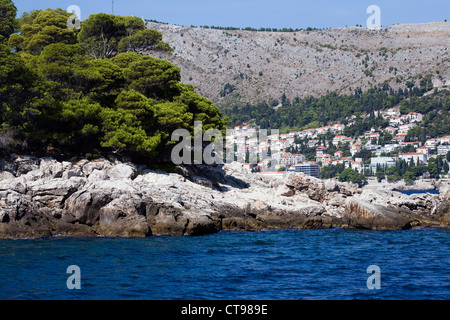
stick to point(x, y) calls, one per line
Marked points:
point(410, 192)
point(267, 265)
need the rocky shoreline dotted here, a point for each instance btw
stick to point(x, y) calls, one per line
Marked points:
point(46, 198)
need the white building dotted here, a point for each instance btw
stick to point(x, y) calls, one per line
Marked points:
point(309, 168)
point(312, 143)
point(415, 117)
point(390, 130)
point(395, 121)
point(393, 112)
point(358, 166)
point(424, 149)
point(382, 161)
point(444, 140)
point(443, 149)
point(337, 127)
point(404, 128)
point(416, 156)
point(338, 139)
point(431, 143)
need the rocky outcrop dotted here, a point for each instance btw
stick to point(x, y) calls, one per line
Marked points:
point(44, 197)
point(443, 208)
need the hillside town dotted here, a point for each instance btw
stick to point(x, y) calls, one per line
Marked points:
point(274, 155)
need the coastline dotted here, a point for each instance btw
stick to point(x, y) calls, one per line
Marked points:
point(47, 198)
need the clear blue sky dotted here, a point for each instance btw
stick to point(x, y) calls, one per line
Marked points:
point(258, 13)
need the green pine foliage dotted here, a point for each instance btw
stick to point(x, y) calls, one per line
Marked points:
point(349, 175)
point(436, 121)
point(72, 94)
point(315, 112)
point(7, 19)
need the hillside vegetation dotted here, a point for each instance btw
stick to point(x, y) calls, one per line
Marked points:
point(313, 112)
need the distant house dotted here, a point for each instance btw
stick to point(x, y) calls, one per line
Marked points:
point(416, 156)
point(392, 112)
point(355, 148)
point(372, 147)
point(355, 151)
point(342, 139)
point(443, 149)
point(444, 140)
point(347, 140)
point(374, 136)
point(431, 143)
point(320, 151)
point(400, 137)
point(415, 117)
point(357, 165)
point(312, 143)
point(424, 149)
point(395, 121)
point(337, 127)
point(322, 130)
point(390, 147)
point(415, 144)
point(281, 144)
point(273, 137)
point(403, 128)
point(338, 154)
point(298, 158)
point(338, 139)
point(308, 132)
point(390, 130)
point(385, 162)
point(326, 157)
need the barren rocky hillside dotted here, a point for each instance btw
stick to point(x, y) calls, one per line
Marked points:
point(263, 65)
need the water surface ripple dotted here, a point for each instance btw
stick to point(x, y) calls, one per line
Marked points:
point(271, 265)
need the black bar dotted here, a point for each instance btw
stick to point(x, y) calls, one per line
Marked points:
point(230, 309)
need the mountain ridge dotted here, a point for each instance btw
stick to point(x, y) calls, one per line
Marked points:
point(236, 67)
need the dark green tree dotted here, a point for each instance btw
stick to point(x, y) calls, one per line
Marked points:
point(101, 33)
point(432, 169)
point(143, 40)
point(154, 78)
point(18, 88)
point(41, 29)
point(7, 19)
point(349, 175)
